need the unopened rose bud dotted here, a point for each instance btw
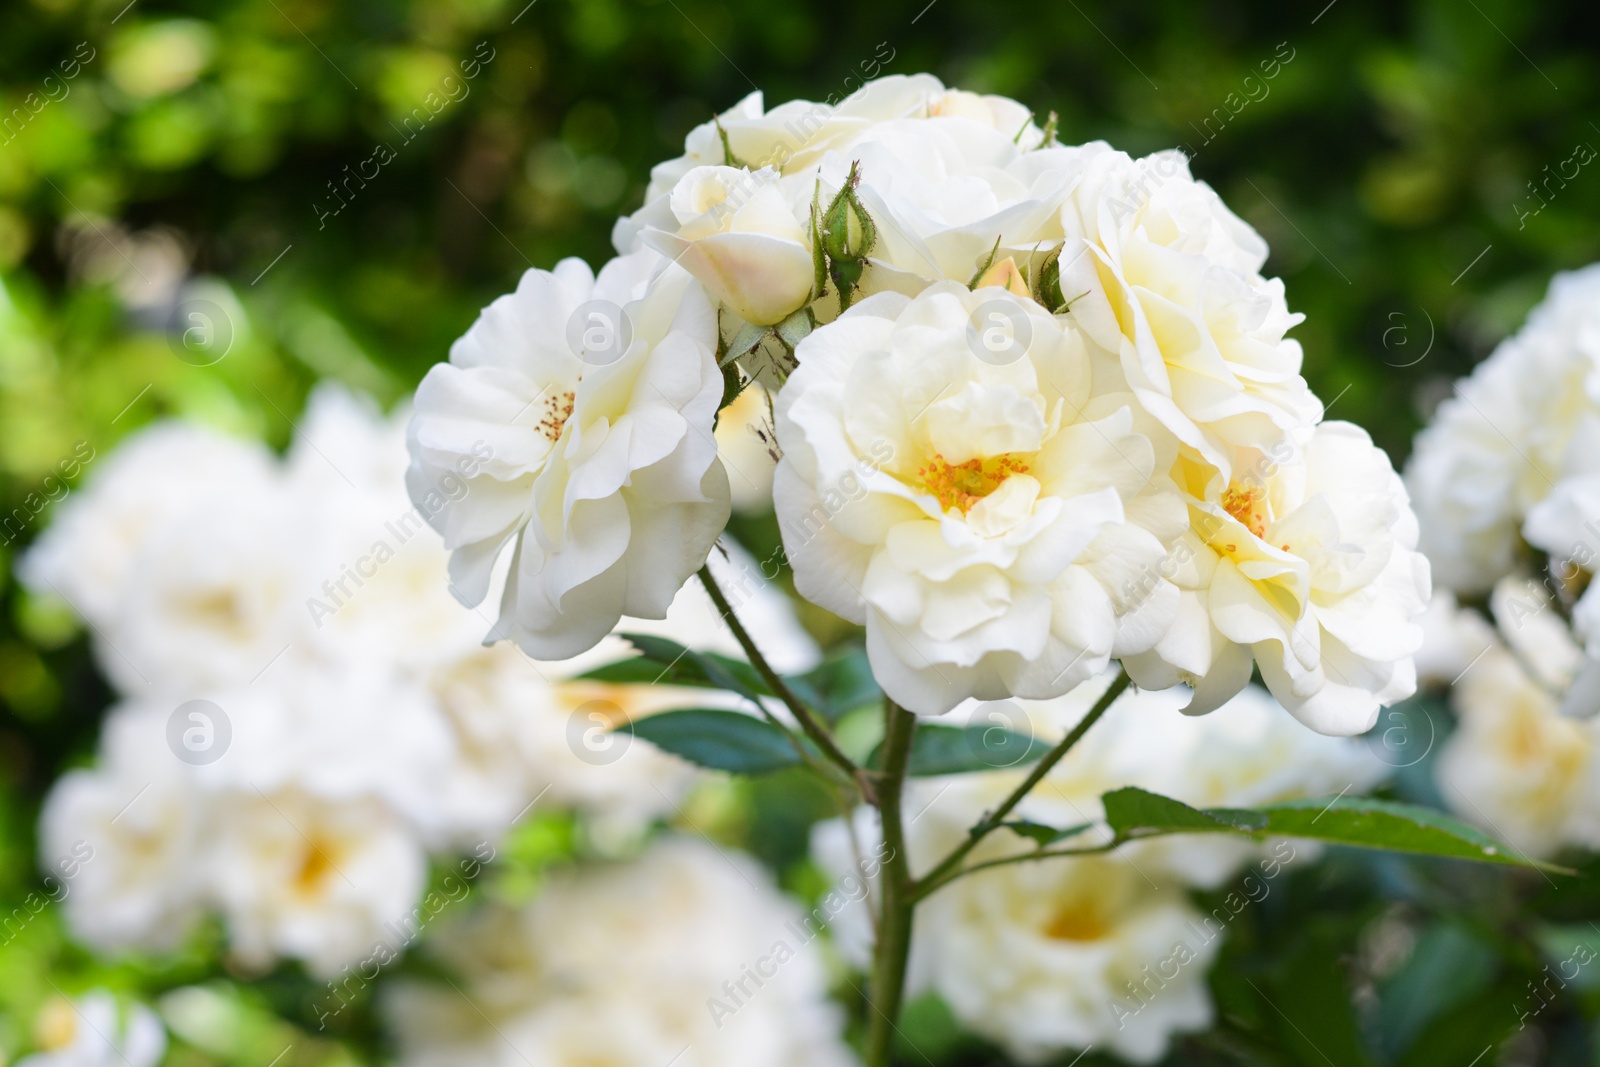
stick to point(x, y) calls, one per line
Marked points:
point(739, 236)
point(848, 232)
point(1005, 275)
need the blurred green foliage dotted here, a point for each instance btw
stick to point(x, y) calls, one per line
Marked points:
point(157, 154)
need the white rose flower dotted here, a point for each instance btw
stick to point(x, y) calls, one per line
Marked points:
point(604, 475)
point(133, 844)
point(1526, 417)
point(980, 518)
point(87, 555)
point(738, 235)
point(378, 586)
point(1068, 954)
point(1566, 525)
point(596, 965)
point(298, 877)
point(1160, 272)
point(1515, 765)
point(1307, 566)
point(942, 190)
point(216, 593)
point(95, 1031)
point(793, 137)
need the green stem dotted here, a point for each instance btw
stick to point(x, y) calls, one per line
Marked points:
point(893, 945)
point(927, 886)
point(802, 714)
point(950, 866)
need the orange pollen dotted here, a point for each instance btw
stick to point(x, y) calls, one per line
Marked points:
point(1249, 506)
point(557, 410)
point(961, 485)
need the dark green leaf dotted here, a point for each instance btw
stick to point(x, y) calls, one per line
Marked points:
point(1364, 822)
point(720, 740)
point(839, 684)
point(1138, 813)
point(937, 750)
point(665, 662)
point(1448, 966)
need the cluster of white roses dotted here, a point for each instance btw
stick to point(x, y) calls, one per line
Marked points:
point(1507, 484)
point(617, 964)
point(1109, 952)
point(1034, 410)
point(307, 716)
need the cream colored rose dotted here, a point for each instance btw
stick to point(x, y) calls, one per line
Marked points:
point(741, 238)
point(949, 481)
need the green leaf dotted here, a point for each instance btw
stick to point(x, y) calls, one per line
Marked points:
point(719, 740)
point(838, 685)
point(1448, 967)
point(665, 662)
point(937, 750)
point(1364, 822)
point(1134, 812)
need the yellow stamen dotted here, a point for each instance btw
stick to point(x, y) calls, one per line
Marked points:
point(961, 485)
point(1248, 505)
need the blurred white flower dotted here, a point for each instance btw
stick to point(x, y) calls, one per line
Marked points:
point(978, 515)
point(141, 845)
point(1309, 567)
point(599, 466)
point(1515, 765)
point(1057, 955)
point(1452, 639)
point(298, 877)
point(215, 594)
point(1527, 417)
point(157, 479)
point(95, 1031)
point(598, 967)
point(1044, 957)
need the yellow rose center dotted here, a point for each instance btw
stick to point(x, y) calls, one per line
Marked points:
point(1248, 505)
point(961, 485)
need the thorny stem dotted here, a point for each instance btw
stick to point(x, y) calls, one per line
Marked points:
point(803, 715)
point(950, 866)
point(893, 945)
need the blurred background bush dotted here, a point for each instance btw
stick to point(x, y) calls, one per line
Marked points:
point(204, 208)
